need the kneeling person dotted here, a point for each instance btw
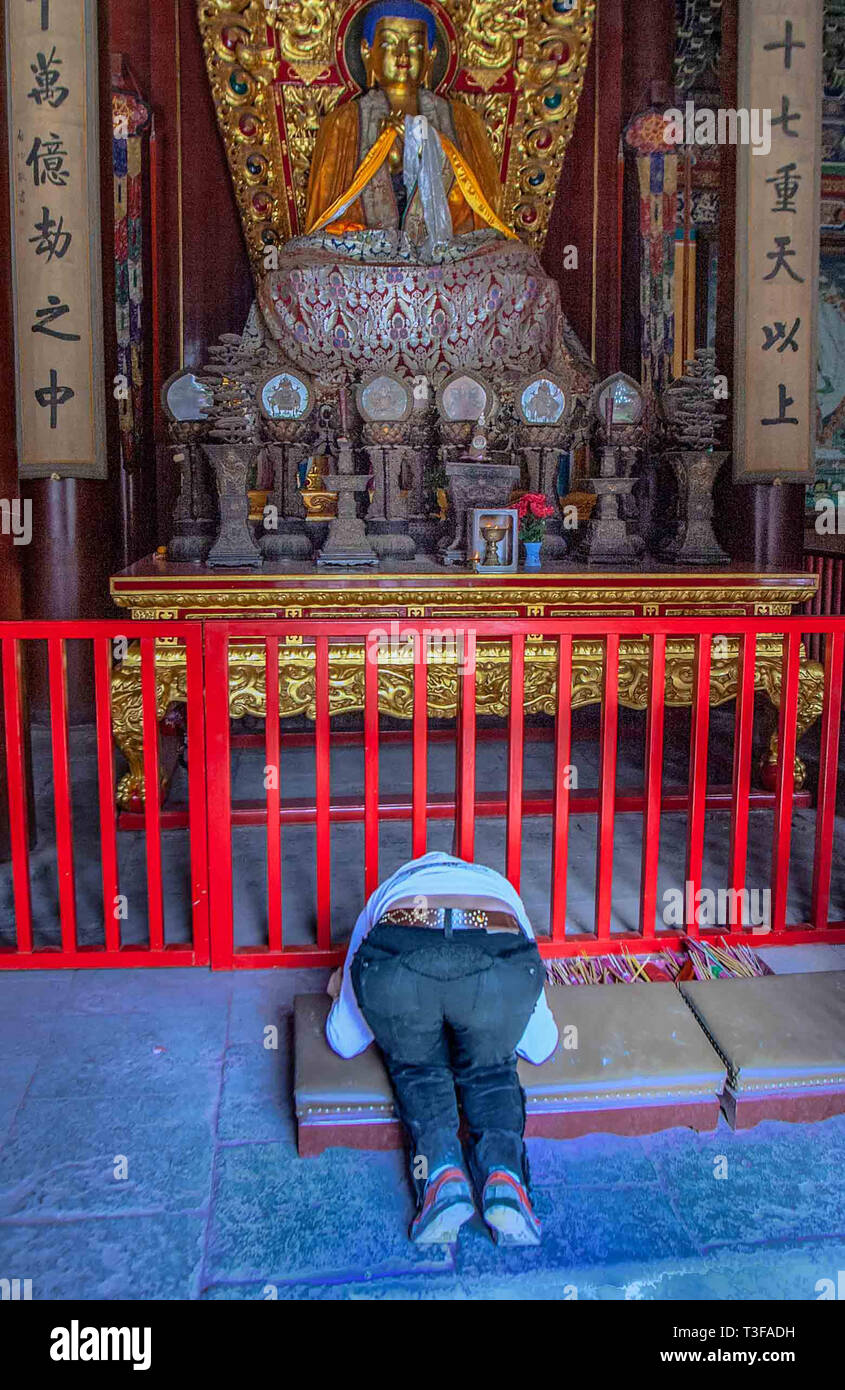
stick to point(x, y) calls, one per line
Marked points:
point(444, 973)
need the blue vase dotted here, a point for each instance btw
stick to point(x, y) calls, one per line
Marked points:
point(532, 554)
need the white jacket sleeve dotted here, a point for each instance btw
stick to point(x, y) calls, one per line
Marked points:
point(347, 1031)
point(539, 1040)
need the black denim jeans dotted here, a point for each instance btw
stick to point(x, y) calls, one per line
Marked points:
point(448, 1013)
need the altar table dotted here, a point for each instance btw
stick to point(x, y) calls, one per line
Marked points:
point(157, 588)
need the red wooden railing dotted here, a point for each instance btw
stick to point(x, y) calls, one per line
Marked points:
point(467, 804)
point(110, 950)
point(829, 566)
point(210, 815)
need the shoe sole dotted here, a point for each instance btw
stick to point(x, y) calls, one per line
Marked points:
point(510, 1227)
point(444, 1227)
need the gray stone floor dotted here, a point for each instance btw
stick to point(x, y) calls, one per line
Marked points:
point(147, 1151)
point(146, 1130)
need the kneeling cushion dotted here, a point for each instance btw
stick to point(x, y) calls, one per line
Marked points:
point(782, 1039)
point(631, 1059)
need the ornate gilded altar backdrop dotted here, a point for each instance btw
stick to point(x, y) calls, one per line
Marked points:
point(157, 589)
point(276, 69)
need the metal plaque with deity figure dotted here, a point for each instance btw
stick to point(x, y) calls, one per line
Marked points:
point(385, 398)
point(285, 396)
point(184, 398)
point(52, 109)
point(464, 397)
point(620, 399)
point(542, 401)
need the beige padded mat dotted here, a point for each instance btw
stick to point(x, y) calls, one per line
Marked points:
point(776, 1031)
point(625, 1043)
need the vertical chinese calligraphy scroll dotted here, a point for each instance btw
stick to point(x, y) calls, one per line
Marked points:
point(777, 242)
point(52, 113)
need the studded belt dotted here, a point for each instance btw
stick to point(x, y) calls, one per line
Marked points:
point(445, 919)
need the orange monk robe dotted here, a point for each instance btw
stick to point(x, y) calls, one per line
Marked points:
point(336, 161)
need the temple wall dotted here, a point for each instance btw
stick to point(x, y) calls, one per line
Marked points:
point(203, 280)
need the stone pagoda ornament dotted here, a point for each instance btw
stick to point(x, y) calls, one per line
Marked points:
point(692, 423)
point(233, 447)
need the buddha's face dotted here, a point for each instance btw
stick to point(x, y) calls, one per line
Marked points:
point(400, 54)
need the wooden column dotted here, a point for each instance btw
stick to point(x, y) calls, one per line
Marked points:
point(10, 554)
point(66, 567)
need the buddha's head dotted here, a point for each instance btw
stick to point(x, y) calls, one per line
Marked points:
point(399, 45)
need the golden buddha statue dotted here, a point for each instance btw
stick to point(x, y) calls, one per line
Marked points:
point(320, 505)
point(406, 264)
point(360, 177)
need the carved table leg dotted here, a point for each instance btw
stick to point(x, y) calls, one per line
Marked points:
point(127, 729)
point(127, 716)
point(810, 704)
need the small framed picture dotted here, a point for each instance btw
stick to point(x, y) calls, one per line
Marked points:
point(494, 539)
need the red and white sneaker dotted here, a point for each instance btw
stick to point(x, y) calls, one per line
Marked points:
point(447, 1205)
point(508, 1212)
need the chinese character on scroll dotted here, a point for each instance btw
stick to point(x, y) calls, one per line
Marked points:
point(777, 242)
point(51, 60)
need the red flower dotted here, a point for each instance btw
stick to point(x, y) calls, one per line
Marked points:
point(535, 504)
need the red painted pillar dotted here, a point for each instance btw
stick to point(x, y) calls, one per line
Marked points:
point(66, 566)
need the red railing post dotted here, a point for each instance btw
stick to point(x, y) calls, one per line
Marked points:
point(741, 781)
point(16, 778)
point(465, 759)
point(105, 777)
point(420, 753)
point(828, 777)
point(653, 790)
point(197, 792)
point(61, 790)
point(323, 791)
point(219, 797)
point(785, 787)
point(371, 772)
point(272, 787)
point(697, 781)
point(152, 794)
point(516, 725)
point(607, 785)
point(563, 765)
